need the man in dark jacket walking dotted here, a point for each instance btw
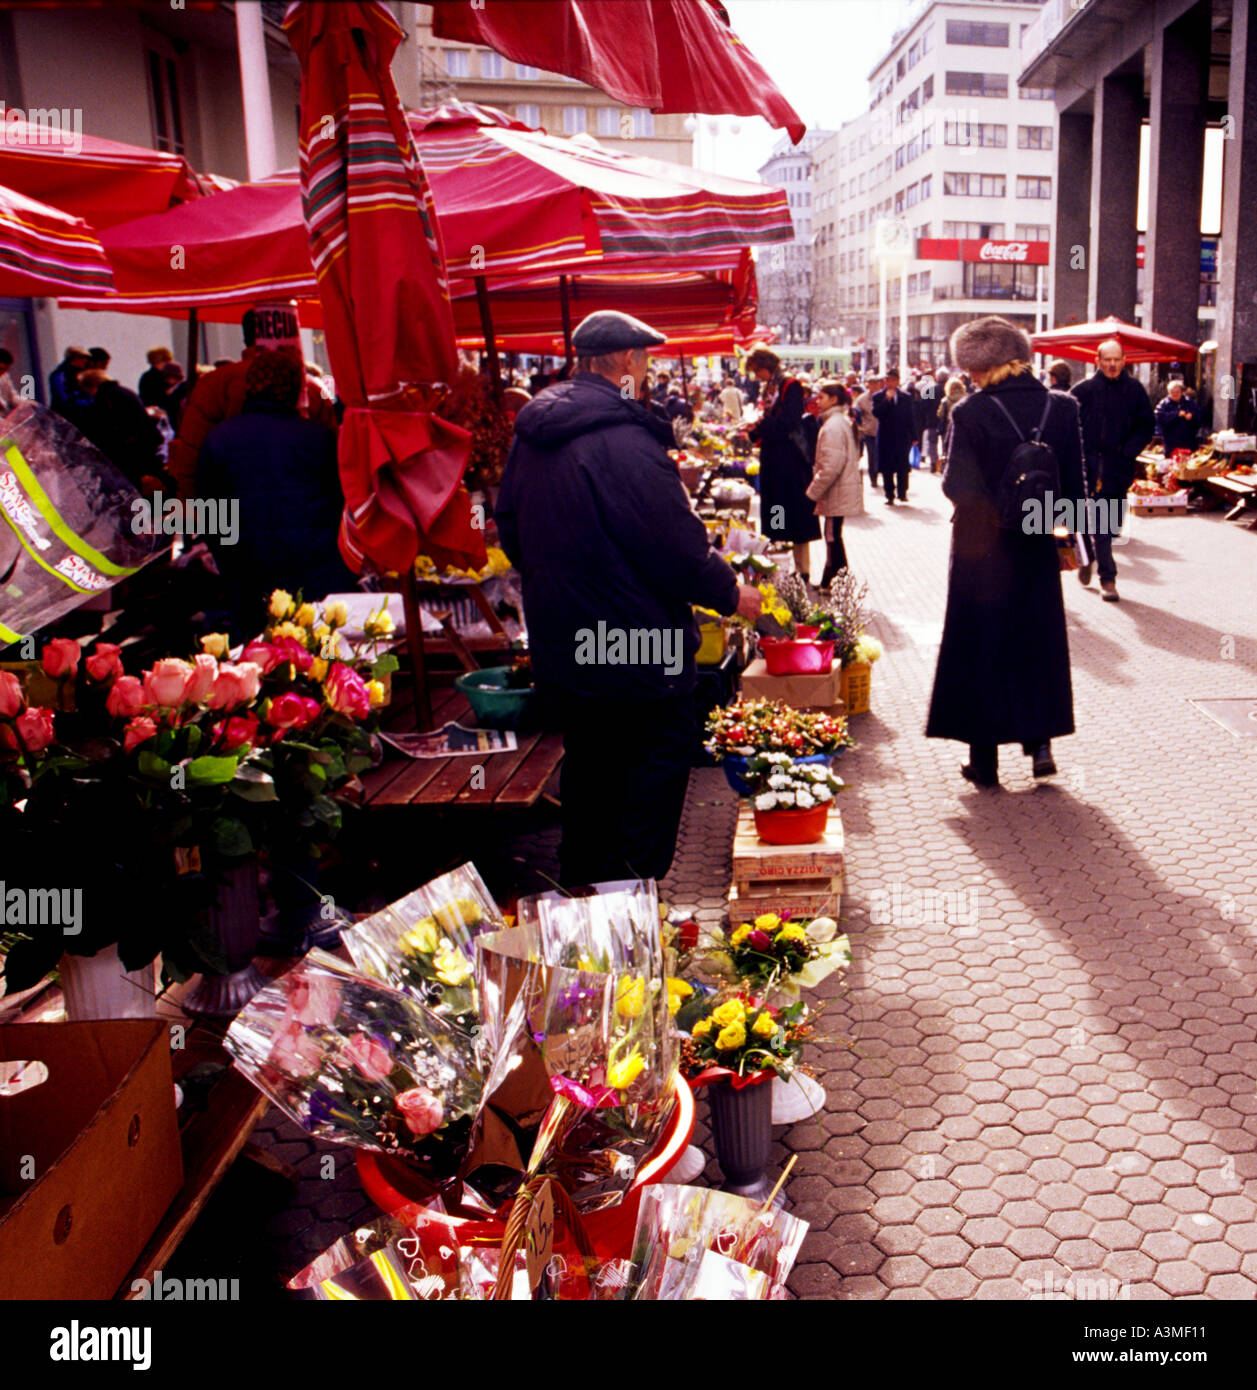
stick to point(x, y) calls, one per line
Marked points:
point(593, 514)
point(896, 434)
point(1117, 423)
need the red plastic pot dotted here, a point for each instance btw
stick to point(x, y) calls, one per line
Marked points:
point(806, 633)
point(398, 1190)
point(791, 826)
point(801, 657)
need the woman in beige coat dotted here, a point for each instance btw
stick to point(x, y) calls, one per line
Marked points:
point(835, 486)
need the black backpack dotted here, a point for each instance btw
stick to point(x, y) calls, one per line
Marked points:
point(1031, 474)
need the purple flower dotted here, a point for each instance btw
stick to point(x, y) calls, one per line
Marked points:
point(759, 940)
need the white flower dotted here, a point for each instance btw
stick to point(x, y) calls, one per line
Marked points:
point(778, 758)
point(779, 780)
point(822, 794)
point(765, 801)
point(819, 774)
point(804, 800)
point(785, 798)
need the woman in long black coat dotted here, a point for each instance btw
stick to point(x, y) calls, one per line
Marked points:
point(785, 473)
point(1003, 666)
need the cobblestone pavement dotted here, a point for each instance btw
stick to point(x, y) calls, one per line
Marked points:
point(1043, 1065)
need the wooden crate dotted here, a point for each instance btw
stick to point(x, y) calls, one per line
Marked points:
point(805, 880)
point(1177, 509)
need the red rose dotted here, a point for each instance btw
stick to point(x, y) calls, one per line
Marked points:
point(10, 694)
point(61, 657)
point(262, 654)
point(313, 711)
point(138, 731)
point(235, 732)
point(286, 711)
point(105, 662)
point(126, 698)
point(759, 940)
point(167, 683)
point(346, 692)
point(201, 684)
point(34, 728)
point(292, 650)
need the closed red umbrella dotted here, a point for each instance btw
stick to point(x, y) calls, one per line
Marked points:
point(666, 55)
point(1079, 341)
point(44, 251)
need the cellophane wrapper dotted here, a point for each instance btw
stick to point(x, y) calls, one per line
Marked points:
point(424, 943)
point(607, 927)
point(696, 1243)
point(383, 1261)
point(353, 1061)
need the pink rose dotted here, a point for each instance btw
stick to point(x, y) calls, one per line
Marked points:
point(346, 693)
point(235, 732)
point(138, 731)
point(293, 1052)
point(250, 677)
point(235, 684)
point(125, 698)
point(10, 694)
point(204, 673)
point(61, 657)
point(105, 662)
point(315, 999)
point(421, 1110)
point(759, 940)
point(34, 728)
point(313, 710)
point(286, 711)
point(167, 683)
point(292, 650)
point(263, 654)
point(369, 1057)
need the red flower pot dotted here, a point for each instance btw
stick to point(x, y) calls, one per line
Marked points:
point(791, 826)
point(798, 658)
point(806, 633)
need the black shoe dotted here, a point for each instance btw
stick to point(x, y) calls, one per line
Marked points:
point(890, 501)
point(1084, 574)
point(1043, 764)
point(979, 777)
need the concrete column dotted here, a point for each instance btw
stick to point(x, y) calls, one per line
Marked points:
point(1179, 55)
point(1111, 266)
point(1071, 248)
point(255, 86)
point(1237, 267)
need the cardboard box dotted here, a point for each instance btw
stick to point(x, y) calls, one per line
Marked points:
point(89, 1160)
point(819, 692)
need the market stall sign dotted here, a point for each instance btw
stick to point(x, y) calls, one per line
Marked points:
point(278, 326)
point(982, 249)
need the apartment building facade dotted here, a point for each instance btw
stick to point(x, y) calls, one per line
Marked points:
point(951, 146)
point(787, 287)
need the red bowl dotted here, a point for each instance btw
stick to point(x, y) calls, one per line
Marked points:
point(798, 658)
point(792, 826)
point(397, 1190)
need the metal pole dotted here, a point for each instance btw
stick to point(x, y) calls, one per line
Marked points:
point(685, 386)
point(881, 309)
point(490, 342)
point(259, 129)
point(1038, 299)
point(903, 320)
point(192, 348)
point(566, 308)
point(414, 641)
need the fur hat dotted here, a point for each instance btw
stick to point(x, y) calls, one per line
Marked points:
point(987, 343)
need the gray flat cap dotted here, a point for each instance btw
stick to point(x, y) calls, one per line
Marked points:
point(610, 331)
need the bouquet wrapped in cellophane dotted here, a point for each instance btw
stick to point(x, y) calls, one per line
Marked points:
point(383, 1261)
point(696, 1243)
point(424, 943)
point(359, 1063)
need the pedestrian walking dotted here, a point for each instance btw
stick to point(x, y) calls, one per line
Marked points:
point(1003, 664)
point(835, 486)
point(954, 391)
point(896, 434)
point(1060, 376)
point(153, 386)
point(1117, 423)
point(926, 403)
point(866, 425)
point(785, 460)
point(593, 515)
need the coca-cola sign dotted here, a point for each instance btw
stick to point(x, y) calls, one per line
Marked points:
point(1003, 250)
point(983, 249)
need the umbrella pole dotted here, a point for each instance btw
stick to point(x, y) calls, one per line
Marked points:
point(685, 386)
point(414, 641)
point(490, 342)
point(566, 308)
point(192, 348)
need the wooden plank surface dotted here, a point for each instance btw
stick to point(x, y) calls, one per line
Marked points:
point(538, 767)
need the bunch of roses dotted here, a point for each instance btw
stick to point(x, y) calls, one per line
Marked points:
point(743, 1034)
point(748, 727)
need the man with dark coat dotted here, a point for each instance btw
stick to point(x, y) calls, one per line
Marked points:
point(593, 514)
point(1003, 664)
point(65, 395)
point(1117, 423)
point(1178, 419)
point(896, 434)
point(115, 420)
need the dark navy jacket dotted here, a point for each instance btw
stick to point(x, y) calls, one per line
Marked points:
point(1176, 433)
point(593, 515)
point(1117, 423)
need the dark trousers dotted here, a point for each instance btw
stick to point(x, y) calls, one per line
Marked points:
point(870, 453)
point(895, 476)
point(626, 769)
point(1102, 550)
point(929, 447)
point(835, 551)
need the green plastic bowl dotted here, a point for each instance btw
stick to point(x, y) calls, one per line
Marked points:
point(492, 702)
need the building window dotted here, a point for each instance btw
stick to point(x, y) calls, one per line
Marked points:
point(1031, 231)
point(900, 68)
point(977, 185)
point(971, 133)
point(899, 153)
point(164, 104)
point(999, 280)
point(608, 120)
point(927, 40)
point(927, 90)
point(491, 65)
point(914, 54)
point(927, 186)
point(977, 84)
point(1033, 188)
point(528, 115)
point(899, 201)
point(574, 120)
point(458, 62)
point(525, 73)
point(1034, 137)
point(984, 231)
point(1036, 93)
point(967, 31)
point(913, 195)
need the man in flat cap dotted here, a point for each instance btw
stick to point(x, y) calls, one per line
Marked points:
point(593, 514)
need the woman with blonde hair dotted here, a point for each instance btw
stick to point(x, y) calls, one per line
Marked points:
point(835, 486)
point(1003, 665)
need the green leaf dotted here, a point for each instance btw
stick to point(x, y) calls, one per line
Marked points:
point(193, 733)
point(231, 838)
point(384, 666)
point(151, 765)
point(253, 783)
point(326, 811)
point(211, 771)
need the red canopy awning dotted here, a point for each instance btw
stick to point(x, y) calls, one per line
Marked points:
point(1079, 341)
point(665, 55)
point(44, 251)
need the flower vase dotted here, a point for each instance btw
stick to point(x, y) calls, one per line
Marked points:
point(741, 1128)
point(100, 986)
point(235, 922)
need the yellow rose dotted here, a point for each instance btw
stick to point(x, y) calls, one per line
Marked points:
point(293, 630)
point(281, 604)
point(768, 922)
point(678, 992)
point(318, 670)
point(792, 933)
point(740, 935)
point(452, 967)
point(216, 644)
point(701, 1028)
point(305, 615)
point(623, 1071)
point(731, 1011)
point(458, 912)
point(322, 632)
point(730, 1037)
point(423, 937)
point(764, 1026)
point(376, 693)
point(425, 564)
point(336, 614)
point(379, 624)
point(630, 998)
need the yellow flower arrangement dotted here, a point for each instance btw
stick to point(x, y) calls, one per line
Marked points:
point(678, 992)
point(452, 968)
point(422, 937)
point(336, 614)
point(318, 670)
point(764, 1026)
point(305, 615)
point(630, 997)
point(731, 1011)
point(740, 935)
point(792, 932)
point(623, 1071)
point(379, 624)
point(732, 1036)
point(288, 629)
point(768, 921)
point(701, 1028)
point(216, 644)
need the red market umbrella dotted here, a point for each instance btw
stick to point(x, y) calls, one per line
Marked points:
point(1079, 341)
point(101, 181)
point(44, 251)
point(667, 55)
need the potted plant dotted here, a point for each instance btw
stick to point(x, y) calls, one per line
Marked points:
point(740, 731)
point(791, 800)
point(804, 650)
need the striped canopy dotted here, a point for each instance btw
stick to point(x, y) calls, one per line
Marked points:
point(44, 251)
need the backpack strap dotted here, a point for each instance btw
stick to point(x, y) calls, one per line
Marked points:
point(1038, 432)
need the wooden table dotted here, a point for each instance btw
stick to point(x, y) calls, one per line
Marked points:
point(498, 781)
point(1241, 492)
